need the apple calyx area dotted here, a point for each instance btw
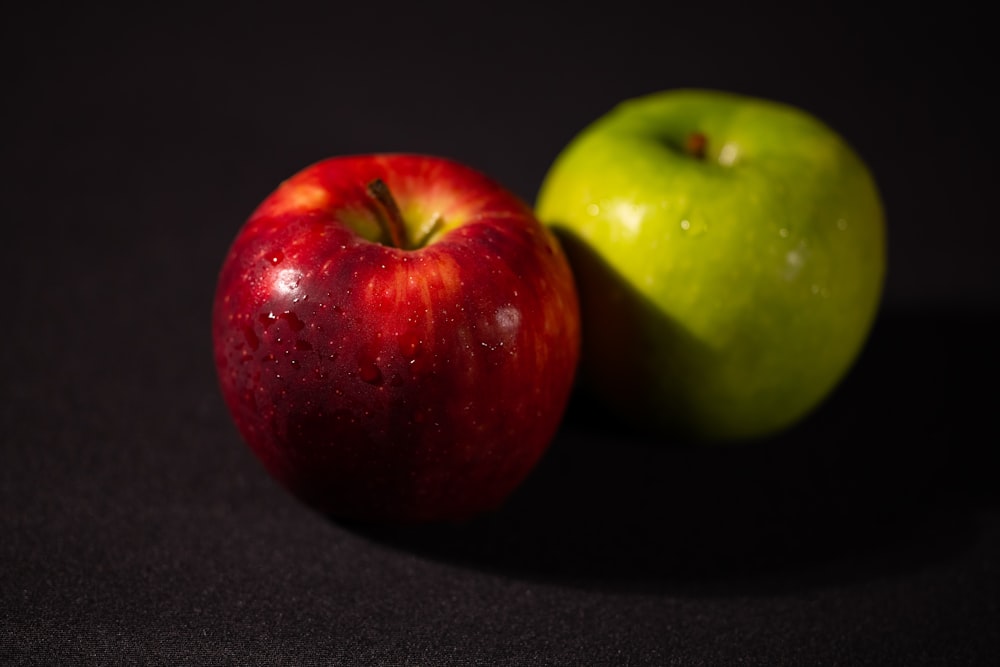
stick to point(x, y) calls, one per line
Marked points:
point(390, 218)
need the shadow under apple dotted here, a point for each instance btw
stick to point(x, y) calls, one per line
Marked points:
point(887, 474)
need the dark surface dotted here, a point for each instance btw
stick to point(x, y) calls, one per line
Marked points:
point(135, 527)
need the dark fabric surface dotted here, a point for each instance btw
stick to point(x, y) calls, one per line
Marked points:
point(136, 528)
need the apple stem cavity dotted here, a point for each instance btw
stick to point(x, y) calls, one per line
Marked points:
point(390, 219)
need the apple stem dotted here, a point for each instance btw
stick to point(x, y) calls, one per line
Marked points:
point(695, 145)
point(434, 226)
point(387, 212)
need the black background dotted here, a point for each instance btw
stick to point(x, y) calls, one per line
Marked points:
point(135, 528)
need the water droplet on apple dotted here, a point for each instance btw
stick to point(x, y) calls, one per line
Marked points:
point(593, 209)
point(277, 256)
point(842, 224)
point(820, 290)
point(728, 154)
point(410, 345)
point(251, 337)
point(293, 320)
point(287, 280)
point(370, 372)
point(267, 319)
point(693, 228)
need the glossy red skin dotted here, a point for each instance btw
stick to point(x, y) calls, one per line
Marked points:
point(399, 385)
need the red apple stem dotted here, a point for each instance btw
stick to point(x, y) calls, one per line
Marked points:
point(387, 213)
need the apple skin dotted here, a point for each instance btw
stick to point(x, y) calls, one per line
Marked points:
point(389, 384)
point(730, 255)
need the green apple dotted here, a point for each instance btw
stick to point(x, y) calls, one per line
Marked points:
point(730, 254)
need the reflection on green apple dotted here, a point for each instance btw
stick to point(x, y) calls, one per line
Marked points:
point(730, 254)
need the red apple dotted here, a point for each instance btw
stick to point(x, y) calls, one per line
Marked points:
point(396, 337)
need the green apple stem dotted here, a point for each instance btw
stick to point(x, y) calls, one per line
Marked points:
point(387, 212)
point(695, 145)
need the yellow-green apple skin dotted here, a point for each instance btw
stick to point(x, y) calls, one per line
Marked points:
point(730, 254)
